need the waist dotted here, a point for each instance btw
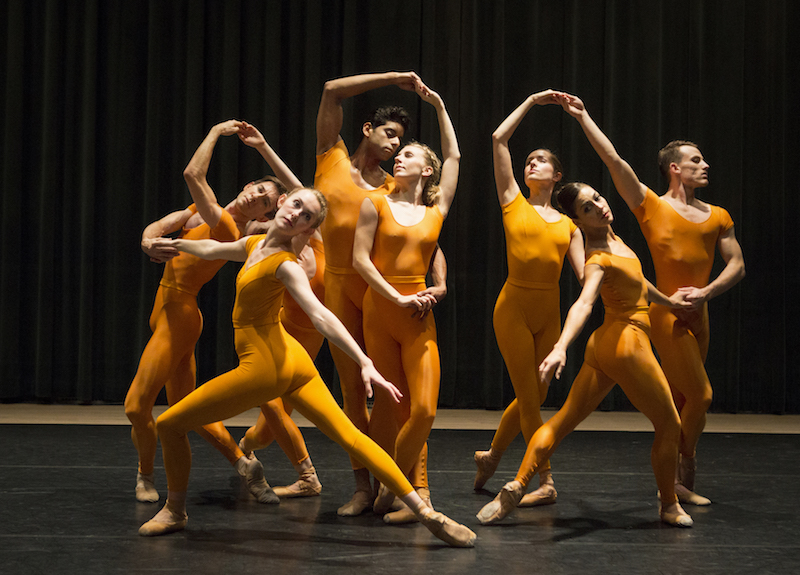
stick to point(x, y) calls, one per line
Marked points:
point(349, 271)
point(530, 284)
point(179, 287)
point(257, 322)
point(639, 315)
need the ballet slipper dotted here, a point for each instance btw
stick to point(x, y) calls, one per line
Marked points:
point(165, 521)
point(545, 495)
point(307, 486)
point(145, 488)
point(452, 533)
point(383, 502)
point(685, 495)
point(360, 502)
point(504, 503)
point(487, 462)
point(404, 514)
point(674, 515)
point(256, 484)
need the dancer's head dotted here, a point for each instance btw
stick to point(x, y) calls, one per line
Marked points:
point(384, 129)
point(681, 161)
point(587, 208)
point(416, 160)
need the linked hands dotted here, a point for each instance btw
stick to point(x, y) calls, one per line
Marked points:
point(159, 249)
point(422, 302)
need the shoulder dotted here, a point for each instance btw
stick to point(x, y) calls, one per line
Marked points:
point(514, 204)
point(333, 155)
point(650, 205)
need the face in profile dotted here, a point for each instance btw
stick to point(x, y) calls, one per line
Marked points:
point(693, 167)
point(412, 161)
point(385, 139)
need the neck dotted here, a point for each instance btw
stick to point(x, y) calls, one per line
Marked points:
point(541, 194)
point(363, 160)
point(682, 192)
point(408, 191)
point(238, 217)
point(602, 235)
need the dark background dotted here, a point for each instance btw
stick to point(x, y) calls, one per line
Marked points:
point(104, 102)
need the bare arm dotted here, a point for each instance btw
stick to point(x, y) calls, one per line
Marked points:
point(250, 136)
point(197, 169)
point(330, 114)
point(625, 179)
point(362, 262)
point(676, 301)
point(166, 225)
point(507, 187)
point(576, 254)
point(438, 273)
point(329, 325)
point(208, 249)
point(576, 318)
point(732, 273)
point(451, 155)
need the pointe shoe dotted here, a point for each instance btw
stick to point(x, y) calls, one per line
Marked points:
point(685, 495)
point(675, 515)
point(504, 503)
point(307, 486)
point(165, 521)
point(256, 484)
point(247, 454)
point(360, 502)
point(404, 514)
point(145, 488)
point(452, 533)
point(487, 463)
point(545, 495)
point(384, 501)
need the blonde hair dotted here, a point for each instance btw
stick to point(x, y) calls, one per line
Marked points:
point(431, 191)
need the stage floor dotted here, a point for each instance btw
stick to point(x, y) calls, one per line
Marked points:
point(67, 506)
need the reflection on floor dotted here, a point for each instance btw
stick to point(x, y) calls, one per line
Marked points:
point(67, 506)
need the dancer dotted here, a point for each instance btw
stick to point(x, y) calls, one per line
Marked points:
point(681, 232)
point(345, 180)
point(527, 315)
point(272, 364)
point(618, 352)
point(176, 322)
point(396, 237)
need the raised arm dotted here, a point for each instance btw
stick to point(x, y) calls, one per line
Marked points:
point(166, 225)
point(329, 325)
point(197, 169)
point(625, 179)
point(250, 136)
point(208, 249)
point(330, 114)
point(362, 262)
point(451, 155)
point(576, 319)
point(576, 254)
point(507, 187)
point(731, 274)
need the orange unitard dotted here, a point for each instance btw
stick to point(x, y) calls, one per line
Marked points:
point(618, 352)
point(168, 358)
point(271, 364)
point(403, 347)
point(344, 287)
point(683, 254)
point(527, 315)
point(274, 421)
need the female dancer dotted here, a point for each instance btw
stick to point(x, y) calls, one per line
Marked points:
point(617, 352)
point(272, 364)
point(527, 315)
point(395, 240)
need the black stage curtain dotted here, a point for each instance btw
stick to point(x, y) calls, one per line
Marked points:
point(104, 101)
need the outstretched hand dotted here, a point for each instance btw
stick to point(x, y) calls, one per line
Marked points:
point(372, 378)
point(250, 136)
point(554, 362)
point(572, 104)
point(229, 128)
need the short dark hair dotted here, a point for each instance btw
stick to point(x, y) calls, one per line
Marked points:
point(385, 114)
point(279, 185)
point(566, 197)
point(672, 153)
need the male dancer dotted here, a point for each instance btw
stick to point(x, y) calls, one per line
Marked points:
point(681, 232)
point(346, 180)
point(168, 358)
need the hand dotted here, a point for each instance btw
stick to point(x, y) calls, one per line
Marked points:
point(545, 97)
point(160, 250)
point(407, 81)
point(678, 300)
point(228, 128)
point(437, 292)
point(695, 296)
point(422, 303)
point(371, 378)
point(572, 104)
point(428, 95)
point(250, 136)
point(555, 361)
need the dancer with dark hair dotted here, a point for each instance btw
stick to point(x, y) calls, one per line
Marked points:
point(527, 315)
point(618, 353)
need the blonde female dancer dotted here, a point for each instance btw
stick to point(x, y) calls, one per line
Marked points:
point(272, 364)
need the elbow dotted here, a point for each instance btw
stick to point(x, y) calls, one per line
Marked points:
point(358, 265)
point(498, 137)
point(191, 174)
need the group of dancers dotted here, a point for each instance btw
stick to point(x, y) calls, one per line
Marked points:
point(363, 241)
